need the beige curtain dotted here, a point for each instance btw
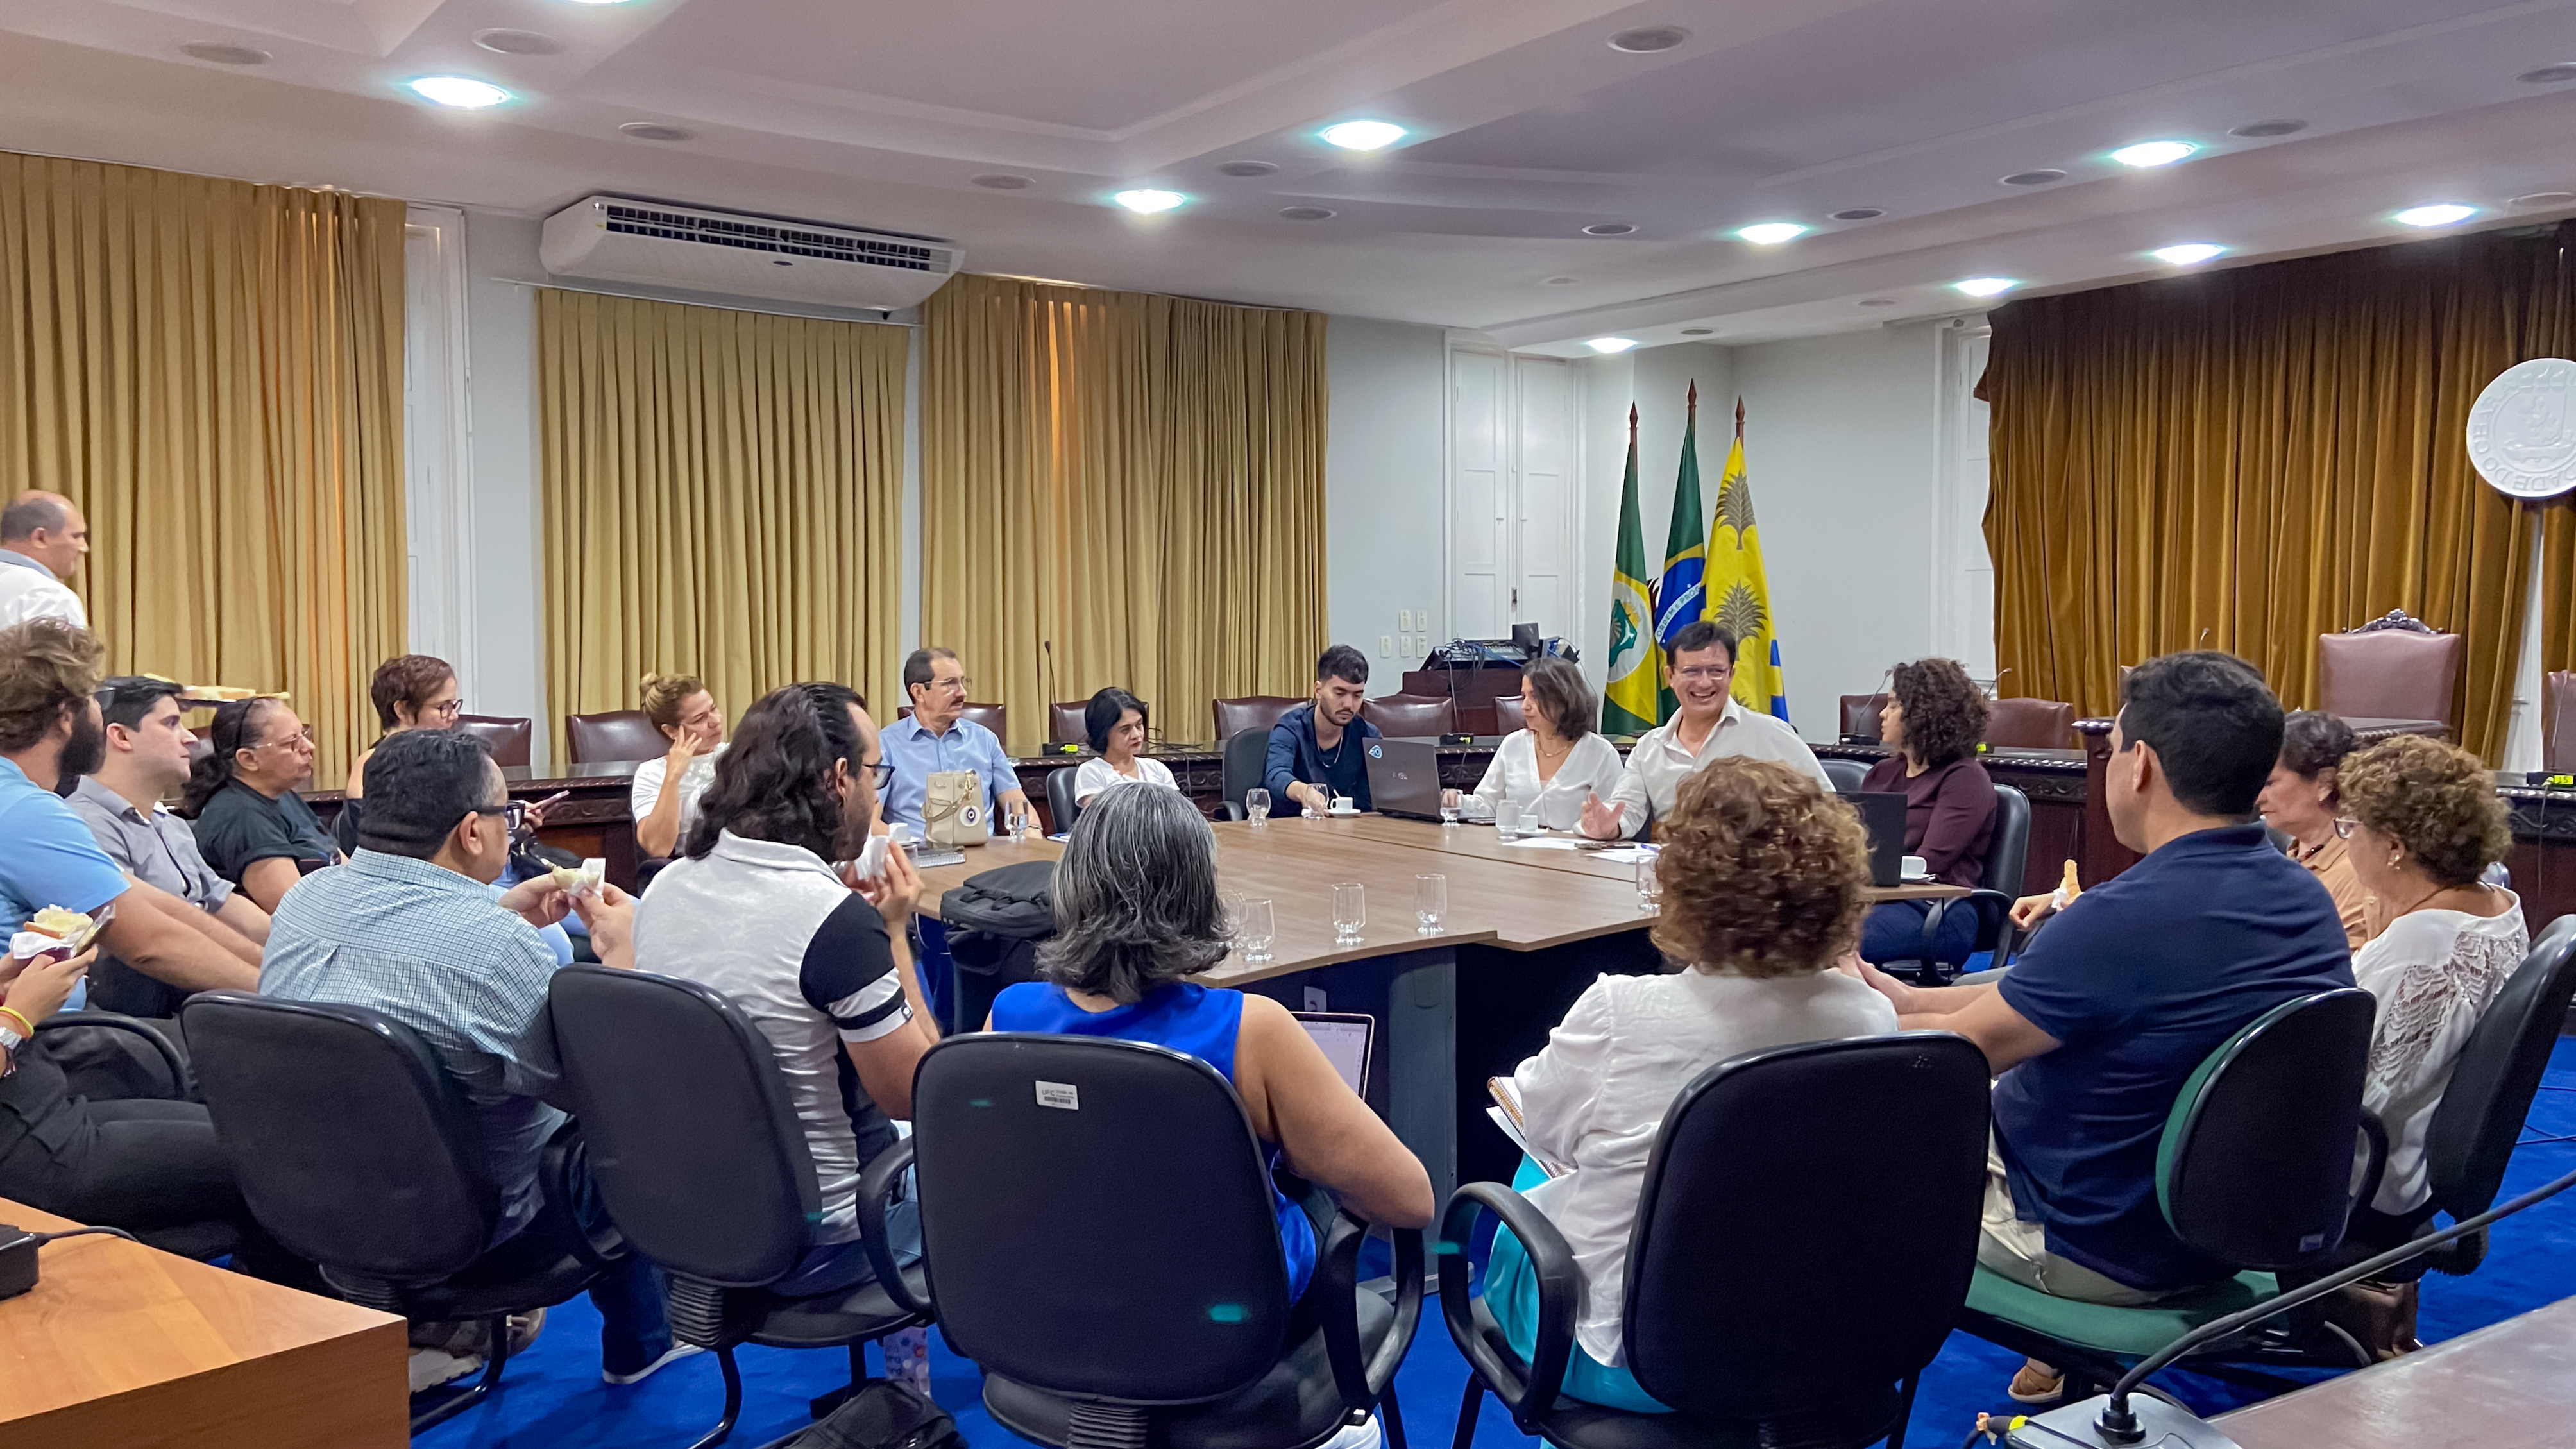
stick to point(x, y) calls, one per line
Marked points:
point(723, 497)
point(214, 372)
point(1134, 481)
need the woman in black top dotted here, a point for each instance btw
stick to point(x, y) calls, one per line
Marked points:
point(251, 825)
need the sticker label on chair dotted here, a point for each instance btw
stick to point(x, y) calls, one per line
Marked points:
point(1059, 1094)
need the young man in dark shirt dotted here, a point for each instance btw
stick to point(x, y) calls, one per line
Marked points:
point(1313, 747)
point(2094, 1030)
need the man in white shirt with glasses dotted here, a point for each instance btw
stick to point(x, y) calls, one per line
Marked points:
point(1701, 672)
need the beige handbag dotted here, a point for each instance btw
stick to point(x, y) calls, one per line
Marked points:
point(952, 810)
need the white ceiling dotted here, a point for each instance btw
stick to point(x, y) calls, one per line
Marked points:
point(1527, 127)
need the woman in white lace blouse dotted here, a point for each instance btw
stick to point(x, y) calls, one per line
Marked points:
point(2424, 824)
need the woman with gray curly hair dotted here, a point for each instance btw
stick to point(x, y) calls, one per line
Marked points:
point(1137, 914)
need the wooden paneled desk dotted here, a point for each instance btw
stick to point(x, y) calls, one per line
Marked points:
point(126, 1346)
point(2510, 1385)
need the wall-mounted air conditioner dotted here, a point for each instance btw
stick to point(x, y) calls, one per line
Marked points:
point(615, 239)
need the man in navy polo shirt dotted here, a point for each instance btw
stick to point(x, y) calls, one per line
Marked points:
point(2094, 1030)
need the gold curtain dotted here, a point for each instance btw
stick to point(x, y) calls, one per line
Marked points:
point(723, 497)
point(213, 371)
point(1135, 482)
point(2249, 459)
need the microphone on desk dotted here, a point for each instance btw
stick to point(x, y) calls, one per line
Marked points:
point(1049, 646)
point(2112, 1421)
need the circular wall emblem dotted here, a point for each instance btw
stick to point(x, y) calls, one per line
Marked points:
point(2522, 430)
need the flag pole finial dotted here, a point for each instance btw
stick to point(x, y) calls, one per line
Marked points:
point(1632, 417)
point(1694, 395)
point(1739, 417)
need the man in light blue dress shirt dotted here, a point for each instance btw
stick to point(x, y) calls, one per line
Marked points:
point(939, 737)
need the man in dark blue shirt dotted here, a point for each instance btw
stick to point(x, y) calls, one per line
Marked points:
point(1311, 748)
point(2094, 1030)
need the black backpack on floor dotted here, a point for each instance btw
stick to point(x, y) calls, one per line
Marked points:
point(883, 1415)
point(995, 922)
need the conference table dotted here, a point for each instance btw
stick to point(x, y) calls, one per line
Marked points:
point(1528, 927)
point(2509, 1385)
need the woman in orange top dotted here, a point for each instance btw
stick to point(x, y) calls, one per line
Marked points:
point(2300, 801)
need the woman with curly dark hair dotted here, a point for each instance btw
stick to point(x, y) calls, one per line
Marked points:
point(1934, 717)
point(1765, 877)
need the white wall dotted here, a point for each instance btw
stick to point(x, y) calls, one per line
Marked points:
point(501, 398)
point(1384, 533)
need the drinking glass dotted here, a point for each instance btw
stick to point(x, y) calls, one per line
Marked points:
point(1507, 820)
point(1015, 823)
point(1350, 911)
point(1256, 804)
point(1448, 807)
point(1650, 886)
point(1255, 930)
point(1430, 903)
point(1231, 903)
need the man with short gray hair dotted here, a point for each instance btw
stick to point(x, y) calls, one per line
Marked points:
point(42, 538)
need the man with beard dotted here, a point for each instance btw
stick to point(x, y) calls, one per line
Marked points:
point(1314, 752)
point(144, 1166)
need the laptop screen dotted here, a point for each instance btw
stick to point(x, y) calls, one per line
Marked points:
point(1345, 1038)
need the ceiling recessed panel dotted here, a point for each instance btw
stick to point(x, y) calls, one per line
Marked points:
point(1100, 67)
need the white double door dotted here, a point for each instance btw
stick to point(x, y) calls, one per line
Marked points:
point(1515, 460)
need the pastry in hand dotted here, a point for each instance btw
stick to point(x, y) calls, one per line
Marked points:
point(575, 879)
point(58, 923)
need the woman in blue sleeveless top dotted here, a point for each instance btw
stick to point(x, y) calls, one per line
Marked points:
point(1136, 912)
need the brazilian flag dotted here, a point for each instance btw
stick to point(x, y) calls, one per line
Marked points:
point(1681, 597)
point(1628, 704)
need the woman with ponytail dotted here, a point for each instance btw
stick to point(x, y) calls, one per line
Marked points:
point(251, 825)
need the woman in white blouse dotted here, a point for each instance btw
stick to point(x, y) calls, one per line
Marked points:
point(2424, 824)
point(1116, 722)
point(1765, 880)
point(1550, 768)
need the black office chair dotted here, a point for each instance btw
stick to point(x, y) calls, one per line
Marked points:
point(1060, 802)
point(1845, 774)
point(705, 1171)
point(108, 1056)
point(1247, 754)
point(356, 1151)
point(1167, 1319)
point(1998, 886)
point(2254, 1172)
point(1796, 1304)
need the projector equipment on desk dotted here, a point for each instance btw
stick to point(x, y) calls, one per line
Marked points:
point(2117, 1421)
point(1524, 646)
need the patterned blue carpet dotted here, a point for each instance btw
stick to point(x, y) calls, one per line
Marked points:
point(552, 1397)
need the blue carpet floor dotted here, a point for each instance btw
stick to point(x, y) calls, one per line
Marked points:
point(552, 1397)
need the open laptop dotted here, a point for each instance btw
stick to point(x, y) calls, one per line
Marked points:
point(1404, 778)
point(1345, 1037)
point(1882, 814)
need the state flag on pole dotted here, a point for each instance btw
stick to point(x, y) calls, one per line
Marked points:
point(1635, 665)
point(1681, 597)
point(1739, 593)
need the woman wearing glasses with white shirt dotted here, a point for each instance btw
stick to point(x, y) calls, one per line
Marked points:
point(1555, 764)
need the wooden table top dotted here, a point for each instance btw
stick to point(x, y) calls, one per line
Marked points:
point(2510, 1385)
point(109, 1318)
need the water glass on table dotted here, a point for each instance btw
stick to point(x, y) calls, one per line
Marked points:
point(1015, 823)
point(1650, 886)
point(1254, 930)
point(1448, 807)
point(1350, 911)
point(1430, 903)
point(1256, 805)
point(1507, 819)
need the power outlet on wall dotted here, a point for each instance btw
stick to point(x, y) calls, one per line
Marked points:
point(1315, 999)
point(1385, 645)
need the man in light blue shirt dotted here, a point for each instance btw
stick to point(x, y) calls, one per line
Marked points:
point(938, 737)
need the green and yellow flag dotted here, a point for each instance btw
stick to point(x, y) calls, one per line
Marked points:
point(1635, 671)
point(1739, 595)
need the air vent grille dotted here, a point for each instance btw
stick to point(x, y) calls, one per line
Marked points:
point(762, 237)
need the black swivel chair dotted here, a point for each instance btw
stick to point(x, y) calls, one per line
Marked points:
point(2007, 855)
point(1060, 803)
point(1247, 754)
point(705, 1171)
point(1167, 1321)
point(356, 1151)
point(1793, 1305)
point(1845, 774)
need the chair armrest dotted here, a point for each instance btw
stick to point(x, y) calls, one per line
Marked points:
point(564, 1154)
point(877, 1187)
point(2374, 1140)
point(182, 1086)
point(1337, 1279)
point(1525, 1389)
point(1233, 810)
point(1992, 908)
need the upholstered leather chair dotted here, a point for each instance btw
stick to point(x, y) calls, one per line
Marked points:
point(2390, 668)
point(1508, 714)
point(2558, 720)
point(1411, 714)
point(508, 738)
point(2031, 724)
point(1067, 723)
point(1249, 712)
point(1860, 715)
point(620, 734)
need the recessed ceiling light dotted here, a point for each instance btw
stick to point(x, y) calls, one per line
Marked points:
point(1611, 344)
point(462, 92)
point(1147, 200)
point(517, 42)
point(1986, 286)
point(224, 52)
point(2440, 215)
point(655, 131)
point(2040, 177)
point(1609, 228)
point(2257, 130)
point(1308, 213)
point(2543, 200)
point(1247, 168)
point(1697, 331)
point(2189, 254)
point(599, 2)
point(1647, 39)
point(1003, 181)
point(1560, 281)
point(1363, 135)
point(1878, 301)
point(1860, 213)
point(2153, 153)
point(2548, 75)
point(1771, 233)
